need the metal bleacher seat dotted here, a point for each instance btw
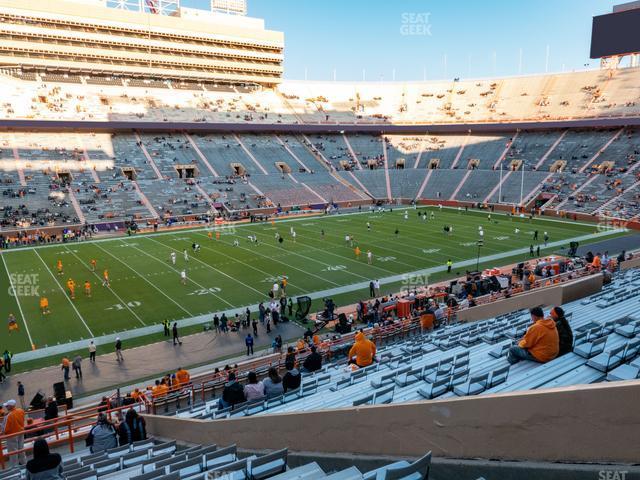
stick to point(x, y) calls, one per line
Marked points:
point(232, 471)
point(187, 468)
point(607, 360)
point(500, 350)
point(591, 349)
point(435, 389)
point(629, 330)
point(475, 385)
point(309, 471)
point(417, 470)
point(107, 466)
point(88, 475)
point(221, 456)
point(351, 473)
point(630, 371)
point(268, 465)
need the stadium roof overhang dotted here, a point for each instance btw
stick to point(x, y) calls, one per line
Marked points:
point(205, 127)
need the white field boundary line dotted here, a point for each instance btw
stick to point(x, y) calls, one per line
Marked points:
point(311, 218)
point(15, 295)
point(189, 279)
point(144, 277)
point(64, 293)
point(118, 297)
point(211, 267)
point(206, 318)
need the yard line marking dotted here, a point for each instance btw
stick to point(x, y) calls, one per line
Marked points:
point(15, 295)
point(395, 240)
point(64, 293)
point(144, 277)
point(213, 268)
point(235, 260)
point(122, 302)
point(175, 270)
point(273, 257)
point(335, 255)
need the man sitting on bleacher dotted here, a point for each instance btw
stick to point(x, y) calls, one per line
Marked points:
point(364, 351)
point(541, 342)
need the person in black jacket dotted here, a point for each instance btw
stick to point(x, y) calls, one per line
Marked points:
point(292, 379)
point(565, 334)
point(51, 410)
point(313, 362)
point(44, 465)
point(290, 358)
point(232, 394)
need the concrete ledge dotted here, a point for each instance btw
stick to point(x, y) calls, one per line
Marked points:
point(627, 264)
point(547, 296)
point(582, 424)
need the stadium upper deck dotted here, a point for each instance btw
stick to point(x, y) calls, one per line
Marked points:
point(76, 38)
point(59, 94)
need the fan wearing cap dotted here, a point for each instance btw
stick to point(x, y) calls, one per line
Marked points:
point(14, 423)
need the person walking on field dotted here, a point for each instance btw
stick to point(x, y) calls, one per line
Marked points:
point(77, 367)
point(119, 356)
point(176, 338)
point(66, 364)
point(165, 326)
point(249, 343)
point(21, 395)
point(92, 352)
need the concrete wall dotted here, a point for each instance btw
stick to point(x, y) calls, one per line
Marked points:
point(633, 263)
point(547, 296)
point(591, 423)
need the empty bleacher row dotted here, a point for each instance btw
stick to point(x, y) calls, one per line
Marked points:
point(153, 459)
point(469, 359)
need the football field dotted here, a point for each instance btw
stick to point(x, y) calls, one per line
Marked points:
point(146, 288)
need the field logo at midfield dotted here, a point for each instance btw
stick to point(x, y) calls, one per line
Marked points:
point(206, 291)
point(24, 285)
point(413, 281)
point(334, 268)
point(119, 306)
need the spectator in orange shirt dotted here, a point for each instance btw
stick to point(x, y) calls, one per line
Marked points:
point(540, 344)
point(66, 364)
point(182, 376)
point(14, 423)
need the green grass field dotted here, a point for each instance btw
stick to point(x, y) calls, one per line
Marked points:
point(146, 287)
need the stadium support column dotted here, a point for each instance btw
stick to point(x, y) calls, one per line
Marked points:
point(386, 168)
